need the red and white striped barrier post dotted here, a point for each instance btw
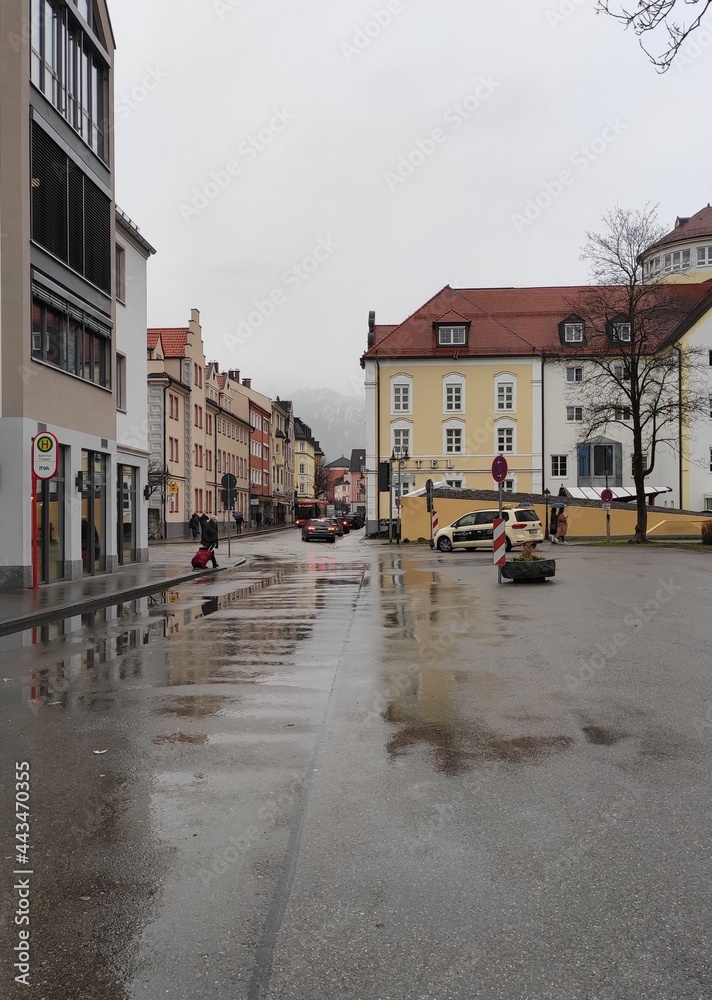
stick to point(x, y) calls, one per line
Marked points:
point(435, 523)
point(499, 544)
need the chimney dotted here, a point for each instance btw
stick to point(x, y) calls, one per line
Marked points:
point(234, 375)
point(247, 382)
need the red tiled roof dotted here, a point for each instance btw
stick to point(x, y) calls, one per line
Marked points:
point(695, 227)
point(173, 339)
point(503, 321)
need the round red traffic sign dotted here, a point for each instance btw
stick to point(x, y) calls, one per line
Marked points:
point(606, 495)
point(499, 469)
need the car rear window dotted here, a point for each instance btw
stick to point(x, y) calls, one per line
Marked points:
point(526, 515)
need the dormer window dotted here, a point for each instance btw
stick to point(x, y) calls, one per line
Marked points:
point(620, 332)
point(452, 336)
point(571, 331)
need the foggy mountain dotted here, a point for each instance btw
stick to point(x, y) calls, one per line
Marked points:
point(337, 421)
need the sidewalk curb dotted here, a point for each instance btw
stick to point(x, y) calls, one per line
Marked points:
point(74, 607)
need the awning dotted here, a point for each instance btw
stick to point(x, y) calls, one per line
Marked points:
point(620, 493)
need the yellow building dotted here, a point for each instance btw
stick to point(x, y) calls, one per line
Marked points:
point(480, 372)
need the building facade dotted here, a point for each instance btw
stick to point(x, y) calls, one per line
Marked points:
point(57, 288)
point(132, 252)
point(282, 450)
point(475, 373)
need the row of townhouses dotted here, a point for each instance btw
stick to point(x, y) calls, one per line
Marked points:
point(216, 443)
point(75, 365)
point(477, 372)
point(346, 480)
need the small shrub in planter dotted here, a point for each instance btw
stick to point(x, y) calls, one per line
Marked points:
point(707, 532)
point(528, 566)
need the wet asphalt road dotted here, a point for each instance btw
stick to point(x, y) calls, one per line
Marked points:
point(361, 771)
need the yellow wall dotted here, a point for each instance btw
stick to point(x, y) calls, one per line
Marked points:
point(427, 417)
point(584, 522)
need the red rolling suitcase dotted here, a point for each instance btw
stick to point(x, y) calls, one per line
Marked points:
point(201, 558)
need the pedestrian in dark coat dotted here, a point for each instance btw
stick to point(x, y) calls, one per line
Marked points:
point(553, 523)
point(239, 521)
point(194, 525)
point(209, 537)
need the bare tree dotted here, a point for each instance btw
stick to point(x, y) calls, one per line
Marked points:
point(319, 477)
point(157, 477)
point(636, 373)
point(668, 22)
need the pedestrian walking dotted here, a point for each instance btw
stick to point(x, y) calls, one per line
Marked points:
point(239, 521)
point(209, 537)
point(562, 526)
point(553, 524)
point(194, 525)
point(258, 519)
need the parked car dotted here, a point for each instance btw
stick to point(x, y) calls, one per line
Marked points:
point(475, 530)
point(319, 529)
point(355, 521)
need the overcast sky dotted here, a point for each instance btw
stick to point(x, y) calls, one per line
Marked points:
point(297, 164)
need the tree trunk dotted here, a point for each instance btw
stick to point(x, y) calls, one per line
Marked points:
point(641, 506)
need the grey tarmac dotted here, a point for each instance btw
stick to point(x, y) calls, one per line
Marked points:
point(369, 771)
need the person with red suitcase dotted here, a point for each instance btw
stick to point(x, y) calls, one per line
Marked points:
point(208, 543)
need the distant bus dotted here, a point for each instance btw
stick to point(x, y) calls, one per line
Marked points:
point(304, 510)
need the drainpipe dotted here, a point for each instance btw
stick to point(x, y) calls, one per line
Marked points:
point(543, 436)
point(378, 439)
point(679, 419)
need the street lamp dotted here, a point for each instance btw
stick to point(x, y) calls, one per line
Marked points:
point(402, 457)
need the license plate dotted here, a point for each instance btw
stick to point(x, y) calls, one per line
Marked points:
point(532, 531)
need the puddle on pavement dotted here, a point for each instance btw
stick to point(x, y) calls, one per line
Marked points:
point(602, 737)
point(196, 738)
point(193, 706)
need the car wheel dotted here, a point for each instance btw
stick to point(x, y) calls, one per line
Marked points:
point(444, 544)
point(507, 545)
point(332, 539)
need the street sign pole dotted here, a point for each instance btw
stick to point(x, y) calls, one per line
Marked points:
point(606, 497)
point(35, 553)
point(45, 464)
point(499, 474)
point(499, 567)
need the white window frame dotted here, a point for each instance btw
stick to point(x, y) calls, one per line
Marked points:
point(401, 381)
point(505, 423)
point(402, 425)
point(574, 414)
point(572, 373)
point(452, 335)
point(619, 414)
point(573, 332)
point(622, 333)
point(454, 425)
point(454, 380)
point(510, 484)
point(704, 256)
point(462, 480)
point(559, 459)
point(501, 380)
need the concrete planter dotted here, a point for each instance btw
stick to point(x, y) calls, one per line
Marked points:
point(537, 569)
